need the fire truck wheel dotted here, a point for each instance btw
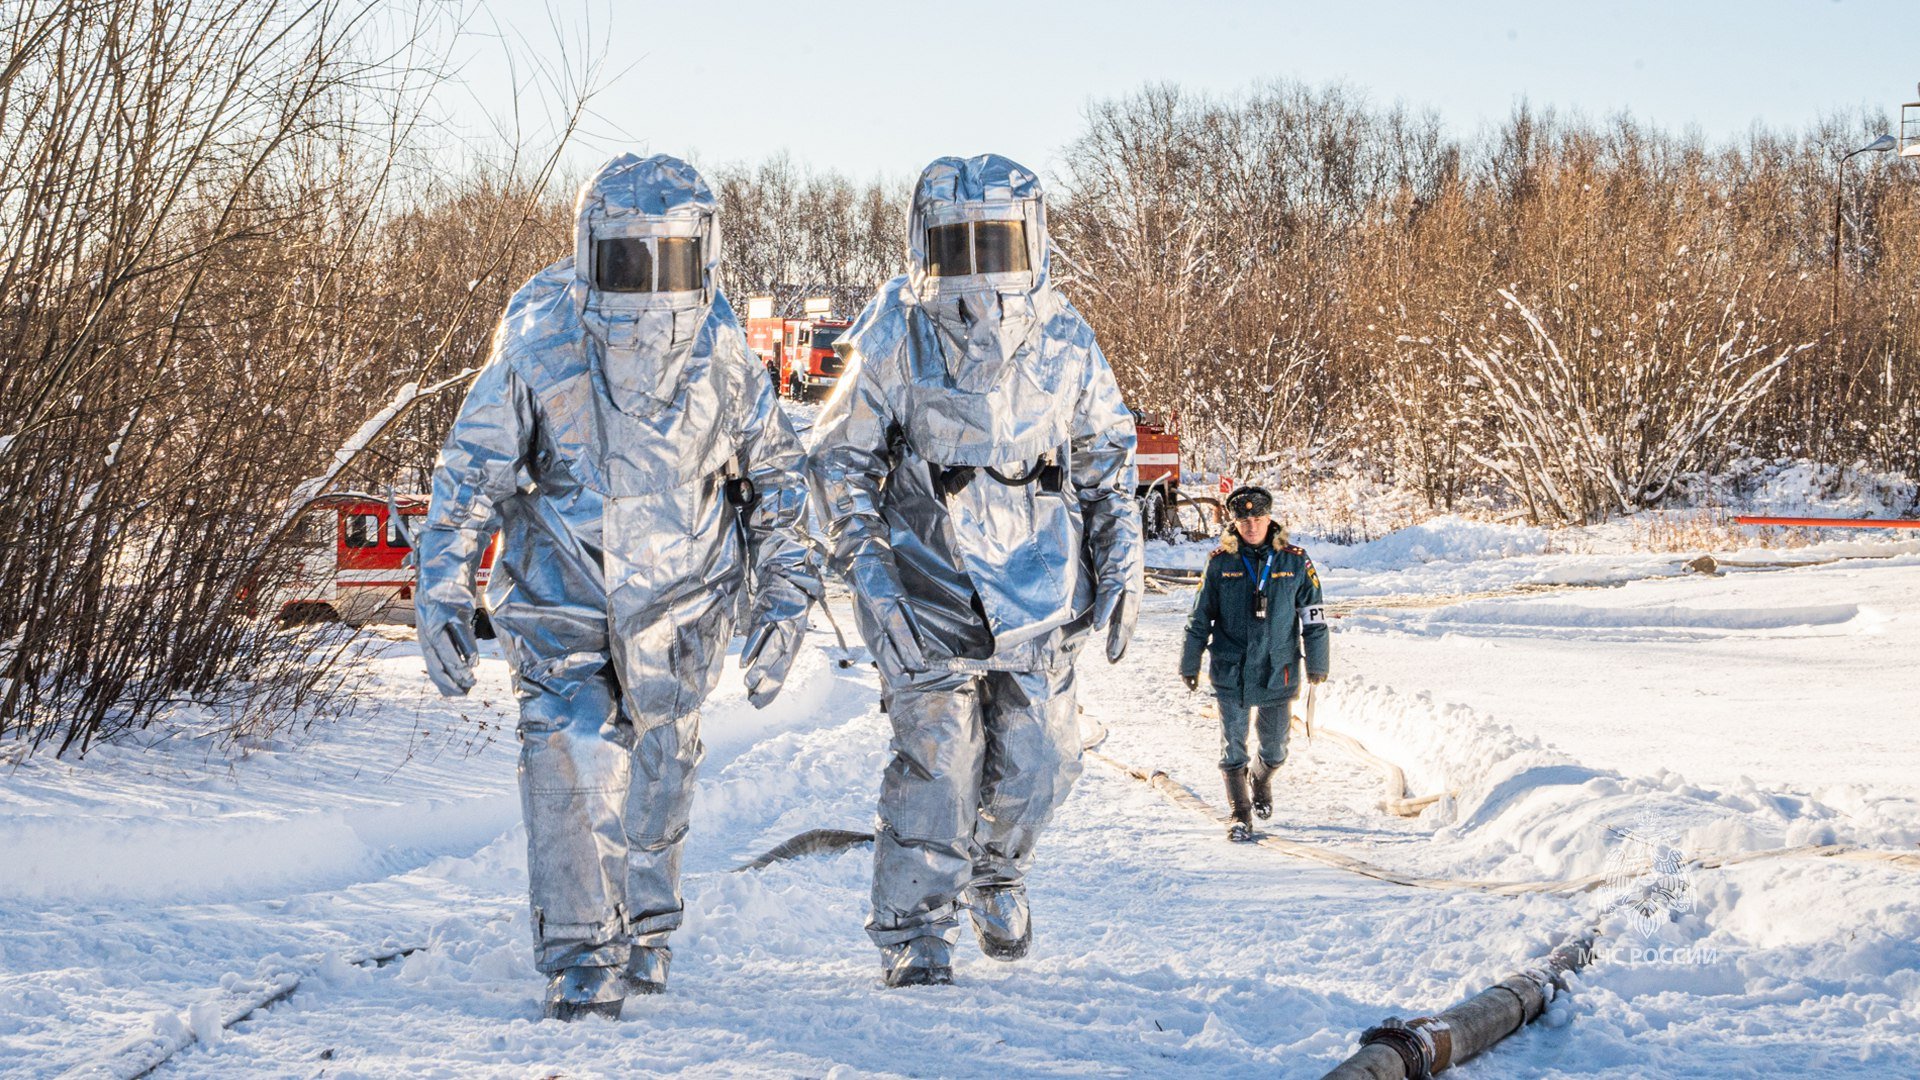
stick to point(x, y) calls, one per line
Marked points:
point(308, 613)
point(482, 625)
point(1153, 515)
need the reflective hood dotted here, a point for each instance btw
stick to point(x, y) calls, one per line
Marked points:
point(646, 254)
point(977, 236)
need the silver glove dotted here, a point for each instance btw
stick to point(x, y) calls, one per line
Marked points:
point(448, 646)
point(1117, 610)
point(443, 605)
point(768, 655)
point(877, 589)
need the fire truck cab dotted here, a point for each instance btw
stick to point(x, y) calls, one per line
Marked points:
point(354, 565)
point(798, 352)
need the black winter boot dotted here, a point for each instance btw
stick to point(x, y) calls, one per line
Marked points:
point(1262, 774)
point(1240, 803)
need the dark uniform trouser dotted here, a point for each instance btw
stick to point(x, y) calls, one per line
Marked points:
point(980, 763)
point(606, 813)
point(1270, 721)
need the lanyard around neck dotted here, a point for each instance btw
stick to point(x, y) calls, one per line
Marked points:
point(1266, 568)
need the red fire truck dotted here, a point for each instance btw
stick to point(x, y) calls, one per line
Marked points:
point(798, 352)
point(354, 567)
point(1157, 455)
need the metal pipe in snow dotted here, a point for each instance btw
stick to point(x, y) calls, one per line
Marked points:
point(1831, 523)
point(1416, 1049)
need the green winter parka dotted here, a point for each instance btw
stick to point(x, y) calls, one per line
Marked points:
point(1257, 661)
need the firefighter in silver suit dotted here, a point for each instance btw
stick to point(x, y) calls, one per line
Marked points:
point(975, 474)
point(626, 444)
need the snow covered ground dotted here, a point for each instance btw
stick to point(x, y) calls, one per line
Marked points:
point(1570, 699)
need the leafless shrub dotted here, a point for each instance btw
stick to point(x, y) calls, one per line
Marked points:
point(1607, 425)
point(208, 286)
point(792, 233)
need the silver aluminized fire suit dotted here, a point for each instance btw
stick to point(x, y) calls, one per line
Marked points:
point(604, 438)
point(975, 472)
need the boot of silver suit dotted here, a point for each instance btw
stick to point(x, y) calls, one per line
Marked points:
point(586, 991)
point(647, 969)
point(1001, 920)
point(921, 961)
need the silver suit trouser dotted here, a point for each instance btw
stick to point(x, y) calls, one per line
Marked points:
point(980, 763)
point(606, 812)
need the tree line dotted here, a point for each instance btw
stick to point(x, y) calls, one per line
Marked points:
point(1563, 316)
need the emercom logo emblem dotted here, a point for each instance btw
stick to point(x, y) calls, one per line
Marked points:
point(1648, 881)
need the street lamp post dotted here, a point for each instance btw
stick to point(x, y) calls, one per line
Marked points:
point(1832, 374)
point(1878, 146)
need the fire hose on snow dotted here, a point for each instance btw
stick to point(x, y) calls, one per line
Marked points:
point(1415, 1049)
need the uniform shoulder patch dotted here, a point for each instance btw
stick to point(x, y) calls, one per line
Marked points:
point(1219, 551)
point(1295, 549)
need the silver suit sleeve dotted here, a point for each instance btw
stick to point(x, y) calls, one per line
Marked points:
point(850, 461)
point(784, 570)
point(480, 464)
point(1106, 478)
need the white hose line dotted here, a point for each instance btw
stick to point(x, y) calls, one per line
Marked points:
point(1181, 795)
point(1396, 802)
point(140, 1055)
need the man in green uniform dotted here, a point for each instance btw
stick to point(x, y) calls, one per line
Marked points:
point(1259, 613)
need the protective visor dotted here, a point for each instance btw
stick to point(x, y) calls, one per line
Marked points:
point(977, 247)
point(648, 264)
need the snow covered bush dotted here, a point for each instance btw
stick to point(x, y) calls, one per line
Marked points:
point(1608, 424)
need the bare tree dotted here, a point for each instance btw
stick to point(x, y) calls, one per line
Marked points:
point(201, 303)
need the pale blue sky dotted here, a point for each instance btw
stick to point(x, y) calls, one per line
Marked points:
point(873, 88)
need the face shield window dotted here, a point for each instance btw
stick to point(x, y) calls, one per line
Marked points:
point(948, 252)
point(681, 269)
point(622, 264)
point(999, 247)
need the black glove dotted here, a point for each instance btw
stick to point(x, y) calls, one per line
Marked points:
point(1192, 681)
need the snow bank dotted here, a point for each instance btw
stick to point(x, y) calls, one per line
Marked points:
point(1522, 810)
point(240, 855)
point(1801, 488)
point(1446, 539)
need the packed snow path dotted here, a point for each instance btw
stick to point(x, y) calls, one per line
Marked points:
point(147, 889)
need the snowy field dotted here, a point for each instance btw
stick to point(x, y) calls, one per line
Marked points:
point(1562, 703)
